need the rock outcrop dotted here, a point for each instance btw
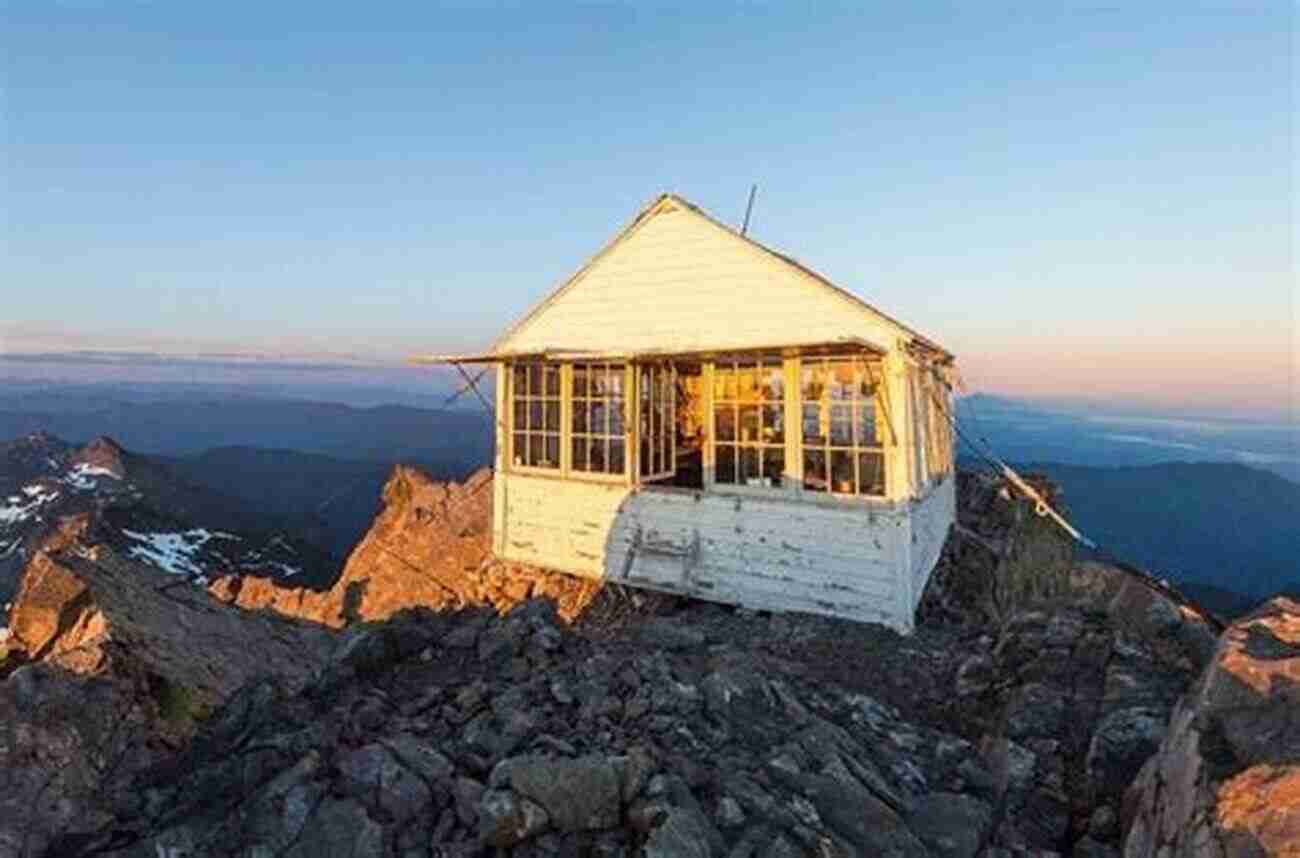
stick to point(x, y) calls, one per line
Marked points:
point(430, 546)
point(120, 661)
point(1226, 781)
point(708, 731)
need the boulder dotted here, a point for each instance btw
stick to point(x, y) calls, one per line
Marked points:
point(951, 825)
point(582, 794)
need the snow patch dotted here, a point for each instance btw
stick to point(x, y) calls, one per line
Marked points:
point(286, 570)
point(15, 509)
point(172, 552)
point(84, 476)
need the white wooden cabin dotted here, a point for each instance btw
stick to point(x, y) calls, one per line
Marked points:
point(695, 413)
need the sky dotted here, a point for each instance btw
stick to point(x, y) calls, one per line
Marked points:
point(1080, 200)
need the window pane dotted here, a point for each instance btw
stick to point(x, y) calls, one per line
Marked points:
point(616, 418)
point(866, 388)
point(552, 416)
point(552, 451)
point(842, 475)
point(534, 379)
point(747, 383)
point(579, 420)
point(647, 466)
point(865, 425)
point(724, 383)
point(521, 380)
point(773, 383)
point(773, 465)
point(813, 433)
point(726, 464)
point(520, 448)
point(616, 458)
point(596, 454)
point(773, 424)
point(580, 380)
point(579, 449)
point(614, 381)
point(749, 428)
point(521, 414)
point(726, 420)
point(814, 470)
point(841, 380)
point(535, 451)
point(534, 414)
point(813, 382)
point(841, 425)
point(871, 473)
point(750, 472)
point(552, 374)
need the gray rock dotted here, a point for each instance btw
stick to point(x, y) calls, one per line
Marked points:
point(1104, 823)
point(1089, 848)
point(467, 794)
point(1122, 742)
point(867, 823)
point(729, 813)
point(580, 794)
point(506, 818)
point(421, 758)
point(950, 824)
point(339, 829)
point(670, 634)
point(684, 833)
point(372, 774)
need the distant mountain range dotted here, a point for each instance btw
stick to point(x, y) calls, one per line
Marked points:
point(440, 441)
point(145, 508)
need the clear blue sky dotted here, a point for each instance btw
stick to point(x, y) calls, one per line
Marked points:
point(1079, 200)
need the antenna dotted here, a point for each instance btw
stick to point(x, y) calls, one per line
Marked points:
point(749, 207)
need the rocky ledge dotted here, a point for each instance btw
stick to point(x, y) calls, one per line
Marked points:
point(430, 546)
point(704, 732)
point(1226, 781)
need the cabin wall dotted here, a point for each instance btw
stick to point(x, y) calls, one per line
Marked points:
point(930, 520)
point(848, 560)
point(558, 523)
point(681, 283)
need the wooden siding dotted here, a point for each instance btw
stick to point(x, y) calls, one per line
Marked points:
point(930, 520)
point(678, 282)
point(850, 560)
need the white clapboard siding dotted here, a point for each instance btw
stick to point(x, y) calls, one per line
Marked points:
point(931, 518)
point(853, 561)
point(679, 282)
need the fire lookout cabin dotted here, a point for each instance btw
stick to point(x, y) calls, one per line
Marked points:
point(696, 413)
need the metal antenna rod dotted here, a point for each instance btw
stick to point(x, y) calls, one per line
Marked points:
point(749, 207)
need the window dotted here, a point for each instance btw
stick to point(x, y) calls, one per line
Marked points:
point(536, 415)
point(598, 421)
point(842, 450)
point(938, 436)
point(657, 394)
point(749, 423)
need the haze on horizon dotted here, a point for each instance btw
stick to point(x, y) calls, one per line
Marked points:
point(1081, 203)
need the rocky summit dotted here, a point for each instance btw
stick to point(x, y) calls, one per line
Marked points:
point(1028, 715)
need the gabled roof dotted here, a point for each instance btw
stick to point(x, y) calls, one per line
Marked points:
point(670, 202)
